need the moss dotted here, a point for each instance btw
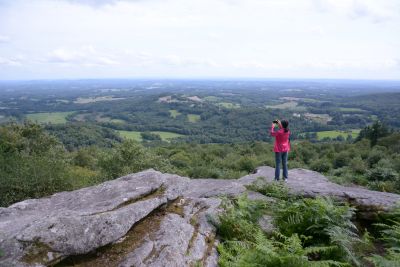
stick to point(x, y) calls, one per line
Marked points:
point(112, 254)
point(210, 240)
point(40, 253)
point(177, 207)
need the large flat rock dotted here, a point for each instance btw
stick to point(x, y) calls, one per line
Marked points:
point(145, 219)
point(46, 230)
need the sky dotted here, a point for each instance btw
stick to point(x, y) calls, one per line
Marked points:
point(72, 39)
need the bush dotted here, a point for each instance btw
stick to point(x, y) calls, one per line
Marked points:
point(246, 164)
point(375, 155)
point(341, 159)
point(130, 157)
point(32, 164)
point(381, 174)
point(357, 165)
point(321, 165)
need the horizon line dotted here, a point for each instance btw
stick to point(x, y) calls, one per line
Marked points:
point(204, 78)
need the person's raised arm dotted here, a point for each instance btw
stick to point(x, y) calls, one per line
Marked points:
point(272, 132)
point(279, 124)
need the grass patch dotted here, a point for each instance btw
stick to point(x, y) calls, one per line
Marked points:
point(286, 105)
point(54, 117)
point(333, 134)
point(135, 135)
point(108, 119)
point(193, 117)
point(174, 113)
point(166, 136)
point(292, 105)
point(321, 118)
point(211, 98)
point(229, 105)
point(87, 100)
point(352, 110)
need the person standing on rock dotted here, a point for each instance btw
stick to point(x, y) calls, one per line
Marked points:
point(281, 147)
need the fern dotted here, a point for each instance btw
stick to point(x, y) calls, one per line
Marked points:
point(391, 237)
point(245, 244)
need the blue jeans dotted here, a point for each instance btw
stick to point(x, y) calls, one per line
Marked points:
point(281, 157)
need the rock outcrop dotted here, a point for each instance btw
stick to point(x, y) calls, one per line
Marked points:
point(311, 184)
point(144, 219)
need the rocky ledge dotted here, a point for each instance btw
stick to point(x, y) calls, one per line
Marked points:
point(145, 219)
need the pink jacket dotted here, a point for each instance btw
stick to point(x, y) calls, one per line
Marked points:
point(282, 143)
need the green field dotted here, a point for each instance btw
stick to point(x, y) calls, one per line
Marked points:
point(211, 98)
point(193, 117)
point(165, 136)
point(55, 117)
point(174, 113)
point(352, 110)
point(334, 134)
point(108, 119)
point(228, 105)
point(293, 105)
point(131, 135)
point(87, 100)
point(321, 118)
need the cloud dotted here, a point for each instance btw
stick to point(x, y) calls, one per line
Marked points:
point(4, 39)
point(179, 61)
point(13, 62)
point(375, 11)
point(322, 65)
point(100, 3)
point(85, 56)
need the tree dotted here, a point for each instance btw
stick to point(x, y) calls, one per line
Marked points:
point(373, 132)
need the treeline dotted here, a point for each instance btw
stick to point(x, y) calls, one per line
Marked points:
point(34, 163)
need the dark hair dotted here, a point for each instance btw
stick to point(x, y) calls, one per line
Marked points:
point(285, 125)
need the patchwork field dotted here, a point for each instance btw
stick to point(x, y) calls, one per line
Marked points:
point(174, 113)
point(228, 105)
point(193, 117)
point(293, 105)
point(321, 118)
point(211, 98)
point(333, 134)
point(131, 135)
point(352, 110)
point(54, 117)
point(135, 135)
point(86, 100)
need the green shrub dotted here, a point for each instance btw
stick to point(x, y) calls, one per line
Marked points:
point(322, 165)
point(341, 159)
point(381, 174)
point(245, 244)
point(323, 221)
point(246, 164)
point(357, 165)
point(276, 190)
point(391, 237)
point(237, 222)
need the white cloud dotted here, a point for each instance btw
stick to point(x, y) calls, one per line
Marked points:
point(323, 65)
point(85, 56)
point(179, 61)
point(4, 39)
point(230, 38)
point(376, 11)
point(13, 62)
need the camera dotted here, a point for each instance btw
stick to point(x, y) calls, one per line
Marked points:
point(275, 121)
